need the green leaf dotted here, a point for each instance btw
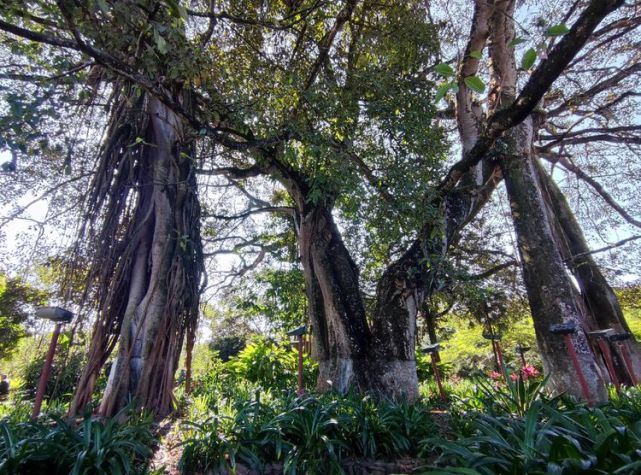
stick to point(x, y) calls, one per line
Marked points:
point(516, 41)
point(162, 45)
point(444, 69)
point(475, 83)
point(441, 91)
point(103, 5)
point(476, 54)
point(557, 30)
point(528, 59)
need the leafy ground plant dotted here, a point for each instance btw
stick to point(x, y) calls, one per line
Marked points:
point(56, 445)
point(555, 437)
point(305, 435)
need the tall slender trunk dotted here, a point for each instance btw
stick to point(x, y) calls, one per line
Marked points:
point(602, 307)
point(336, 307)
point(550, 292)
point(546, 278)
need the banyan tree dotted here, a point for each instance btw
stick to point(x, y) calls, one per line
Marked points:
point(337, 104)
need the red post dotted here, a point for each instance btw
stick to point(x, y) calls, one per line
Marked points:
point(437, 376)
point(628, 363)
point(523, 363)
point(301, 389)
point(499, 355)
point(46, 369)
point(605, 351)
point(577, 367)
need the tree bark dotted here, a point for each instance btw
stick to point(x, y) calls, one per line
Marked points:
point(341, 334)
point(399, 295)
point(159, 274)
point(548, 285)
point(602, 306)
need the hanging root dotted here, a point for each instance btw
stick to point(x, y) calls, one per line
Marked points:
point(143, 238)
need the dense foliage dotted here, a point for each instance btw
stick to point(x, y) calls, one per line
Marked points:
point(56, 445)
point(16, 298)
point(244, 414)
point(489, 429)
point(306, 435)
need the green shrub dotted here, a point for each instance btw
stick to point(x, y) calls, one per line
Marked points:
point(310, 434)
point(556, 436)
point(507, 395)
point(54, 445)
point(63, 376)
point(271, 366)
point(207, 447)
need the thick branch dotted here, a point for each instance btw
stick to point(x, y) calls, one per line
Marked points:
point(468, 114)
point(492, 270)
point(233, 172)
point(245, 214)
point(538, 84)
point(607, 248)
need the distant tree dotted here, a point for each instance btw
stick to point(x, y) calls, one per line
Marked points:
point(17, 302)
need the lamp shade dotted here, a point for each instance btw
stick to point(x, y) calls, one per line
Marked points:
point(298, 331)
point(55, 314)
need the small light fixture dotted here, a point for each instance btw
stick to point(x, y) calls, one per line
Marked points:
point(433, 350)
point(60, 316)
point(296, 336)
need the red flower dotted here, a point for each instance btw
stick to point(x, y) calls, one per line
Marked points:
point(529, 371)
point(494, 375)
point(514, 376)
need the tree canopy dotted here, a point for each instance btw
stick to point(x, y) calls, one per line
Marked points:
point(350, 150)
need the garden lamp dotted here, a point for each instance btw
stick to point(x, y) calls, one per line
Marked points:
point(60, 316)
point(521, 350)
point(565, 330)
point(296, 336)
point(495, 338)
point(432, 350)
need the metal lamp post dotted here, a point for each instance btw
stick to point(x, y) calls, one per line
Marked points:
point(60, 316)
point(619, 339)
point(601, 336)
point(521, 350)
point(495, 338)
point(432, 350)
point(296, 336)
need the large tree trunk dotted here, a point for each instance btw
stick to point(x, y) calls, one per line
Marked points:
point(601, 305)
point(399, 295)
point(156, 269)
point(341, 335)
point(550, 291)
point(548, 285)
point(349, 354)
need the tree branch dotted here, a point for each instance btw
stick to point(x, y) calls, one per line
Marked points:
point(568, 165)
point(245, 214)
point(539, 83)
point(492, 270)
point(606, 248)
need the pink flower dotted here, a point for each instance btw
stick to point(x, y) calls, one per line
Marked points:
point(514, 376)
point(529, 371)
point(494, 375)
